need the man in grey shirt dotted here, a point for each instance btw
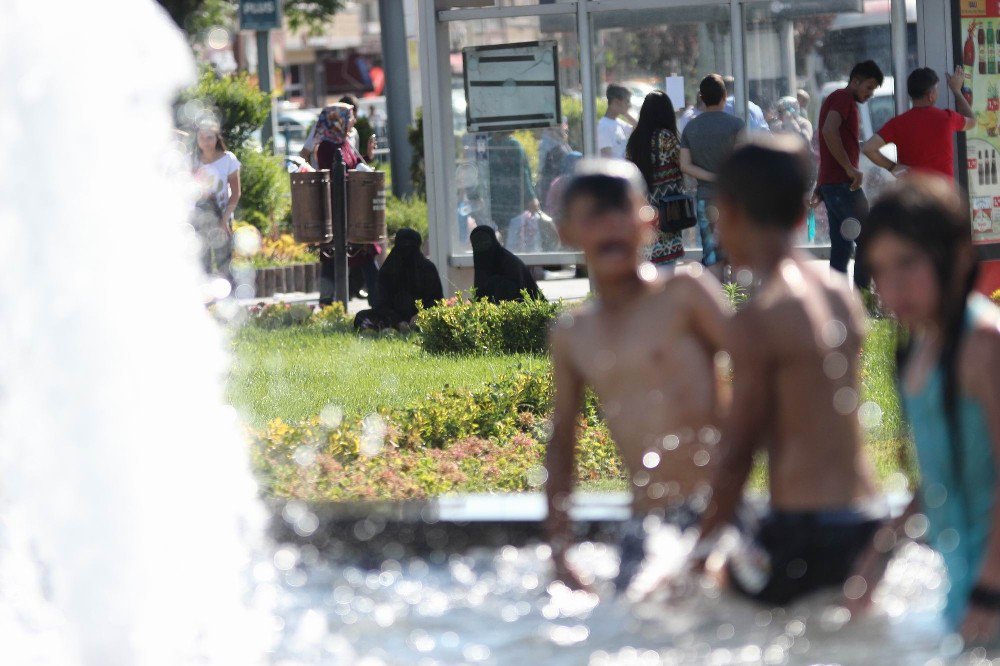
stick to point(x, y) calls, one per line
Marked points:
point(706, 143)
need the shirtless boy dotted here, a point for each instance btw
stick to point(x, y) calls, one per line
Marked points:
point(795, 350)
point(646, 347)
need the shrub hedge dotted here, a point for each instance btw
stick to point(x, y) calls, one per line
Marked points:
point(409, 212)
point(451, 441)
point(481, 327)
point(283, 315)
point(266, 197)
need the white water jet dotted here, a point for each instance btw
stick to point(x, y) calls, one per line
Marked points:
point(126, 502)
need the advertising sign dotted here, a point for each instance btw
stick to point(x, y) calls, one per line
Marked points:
point(511, 86)
point(981, 63)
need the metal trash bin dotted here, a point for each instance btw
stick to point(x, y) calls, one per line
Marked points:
point(312, 221)
point(366, 207)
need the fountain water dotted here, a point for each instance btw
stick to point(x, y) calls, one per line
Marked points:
point(126, 503)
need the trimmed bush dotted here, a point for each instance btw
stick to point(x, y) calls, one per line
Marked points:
point(282, 315)
point(241, 108)
point(409, 212)
point(451, 441)
point(266, 199)
point(481, 327)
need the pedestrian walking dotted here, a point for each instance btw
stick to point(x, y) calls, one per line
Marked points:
point(217, 172)
point(706, 143)
point(655, 148)
point(839, 185)
point(615, 126)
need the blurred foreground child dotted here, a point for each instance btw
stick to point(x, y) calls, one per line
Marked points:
point(795, 350)
point(646, 347)
point(919, 249)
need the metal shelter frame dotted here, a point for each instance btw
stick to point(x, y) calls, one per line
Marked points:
point(934, 49)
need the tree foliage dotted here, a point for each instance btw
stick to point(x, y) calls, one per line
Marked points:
point(239, 105)
point(196, 16)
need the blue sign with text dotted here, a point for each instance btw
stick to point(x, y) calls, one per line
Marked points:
point(260, 14)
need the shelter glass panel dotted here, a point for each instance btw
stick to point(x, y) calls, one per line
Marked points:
point(503, 178)
point(640, 49)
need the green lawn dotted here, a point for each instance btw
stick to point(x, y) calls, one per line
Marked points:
point(294, 373)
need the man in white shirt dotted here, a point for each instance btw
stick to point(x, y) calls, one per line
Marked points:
point(614, 129)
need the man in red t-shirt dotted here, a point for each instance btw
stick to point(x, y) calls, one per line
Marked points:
point(839, 182)
point(923, 135)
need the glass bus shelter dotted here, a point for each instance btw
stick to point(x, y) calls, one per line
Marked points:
point(772, 48)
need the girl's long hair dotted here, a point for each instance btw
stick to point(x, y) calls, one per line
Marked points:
point(657, 113)
point(929, 212)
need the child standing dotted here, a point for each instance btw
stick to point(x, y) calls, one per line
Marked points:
point(647, 350)
point(795, 349)
point(923, 263)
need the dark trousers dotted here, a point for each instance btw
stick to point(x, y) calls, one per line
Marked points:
point(365, 273)
point(327, 276)
point(850, 207)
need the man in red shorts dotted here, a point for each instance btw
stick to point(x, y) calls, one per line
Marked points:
point(923, 135)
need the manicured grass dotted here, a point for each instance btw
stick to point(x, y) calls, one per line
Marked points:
point(887, 439)
point(294, 373)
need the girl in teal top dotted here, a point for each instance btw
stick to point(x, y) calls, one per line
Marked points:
point(918, 245)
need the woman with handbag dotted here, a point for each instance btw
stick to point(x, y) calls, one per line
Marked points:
point(655, 148)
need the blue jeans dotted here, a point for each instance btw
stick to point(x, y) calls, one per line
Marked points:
point(842, 204)
point(711, 253)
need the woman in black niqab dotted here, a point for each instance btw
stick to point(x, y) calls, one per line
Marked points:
point(406, 277)
point(500, 275)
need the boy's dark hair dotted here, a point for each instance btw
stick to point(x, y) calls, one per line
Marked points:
point(920, 82)
point(769, 179)
point(616, 91)
point(349, 99)
point(610, 182)
point(712, 89)
point(867, 70)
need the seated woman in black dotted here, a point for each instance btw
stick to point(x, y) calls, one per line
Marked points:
point(500, 276)
point(407, 276)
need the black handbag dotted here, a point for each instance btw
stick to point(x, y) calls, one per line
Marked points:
point(677, 213)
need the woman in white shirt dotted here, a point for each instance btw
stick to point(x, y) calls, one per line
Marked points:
point(217, 172)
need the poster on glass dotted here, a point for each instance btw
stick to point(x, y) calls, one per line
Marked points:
point(981, 62)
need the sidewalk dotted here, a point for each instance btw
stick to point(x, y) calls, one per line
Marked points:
point(558, 285)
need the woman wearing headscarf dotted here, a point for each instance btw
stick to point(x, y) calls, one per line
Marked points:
point(499, 276)
point(332, 134)
point(406, 277)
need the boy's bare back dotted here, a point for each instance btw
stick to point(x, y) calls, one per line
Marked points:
point(796, 349)
point(651, 364)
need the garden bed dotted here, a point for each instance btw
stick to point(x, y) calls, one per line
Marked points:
point(286, 279)
point(338, 417)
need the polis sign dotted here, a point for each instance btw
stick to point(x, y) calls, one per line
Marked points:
point(260, 14)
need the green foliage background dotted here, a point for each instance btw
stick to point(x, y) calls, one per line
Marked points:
point(239, 105)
